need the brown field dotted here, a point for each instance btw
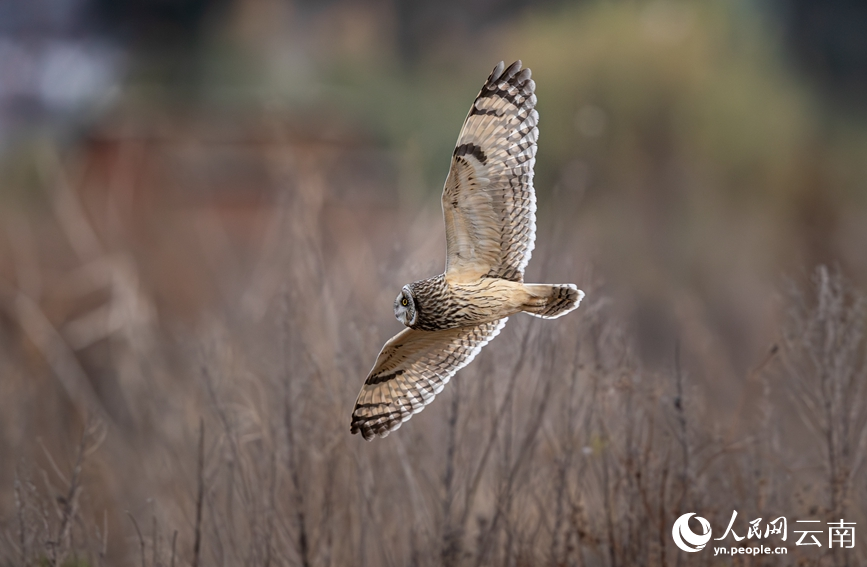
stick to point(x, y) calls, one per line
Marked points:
point(193, 288)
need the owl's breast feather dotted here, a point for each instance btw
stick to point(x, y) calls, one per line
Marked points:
point(443, 305)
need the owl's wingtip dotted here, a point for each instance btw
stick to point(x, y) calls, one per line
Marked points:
point(497, 72)
point(502, 72)
point(366, 432)
point(371, 429)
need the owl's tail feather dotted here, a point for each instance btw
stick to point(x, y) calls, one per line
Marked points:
point(550, 301)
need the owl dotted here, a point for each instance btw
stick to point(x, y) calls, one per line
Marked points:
point(489, 207)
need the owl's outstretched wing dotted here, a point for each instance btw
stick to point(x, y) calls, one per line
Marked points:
point(411, 369)
point(489, 203)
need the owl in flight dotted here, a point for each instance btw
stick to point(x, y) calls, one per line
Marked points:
point(489, 207)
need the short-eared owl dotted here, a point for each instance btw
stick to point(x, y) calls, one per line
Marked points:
point(489, 207)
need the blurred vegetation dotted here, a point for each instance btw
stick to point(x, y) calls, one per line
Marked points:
point(217, 236)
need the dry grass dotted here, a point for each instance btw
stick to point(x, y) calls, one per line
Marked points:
point(190, 300)
point(225, 441)
point(192, 292)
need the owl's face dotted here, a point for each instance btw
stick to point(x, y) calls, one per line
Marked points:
point(404, 307)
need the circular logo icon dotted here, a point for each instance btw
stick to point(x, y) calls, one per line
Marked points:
point(685, 538)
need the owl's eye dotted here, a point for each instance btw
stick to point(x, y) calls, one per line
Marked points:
point(404, 302)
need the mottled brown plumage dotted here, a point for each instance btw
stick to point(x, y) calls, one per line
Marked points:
point(489, 208)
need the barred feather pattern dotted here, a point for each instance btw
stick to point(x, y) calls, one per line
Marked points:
point(489, 209)
point(489, 203)
point(412, 368)
point(441, 305)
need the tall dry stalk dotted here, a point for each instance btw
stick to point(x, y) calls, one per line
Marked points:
point(824, 354)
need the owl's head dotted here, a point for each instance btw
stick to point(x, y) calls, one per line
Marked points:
point(404, 307)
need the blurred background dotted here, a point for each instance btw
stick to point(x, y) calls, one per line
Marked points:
point(205, 204)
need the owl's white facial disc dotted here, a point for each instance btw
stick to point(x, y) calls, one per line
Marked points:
point(404, 307)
